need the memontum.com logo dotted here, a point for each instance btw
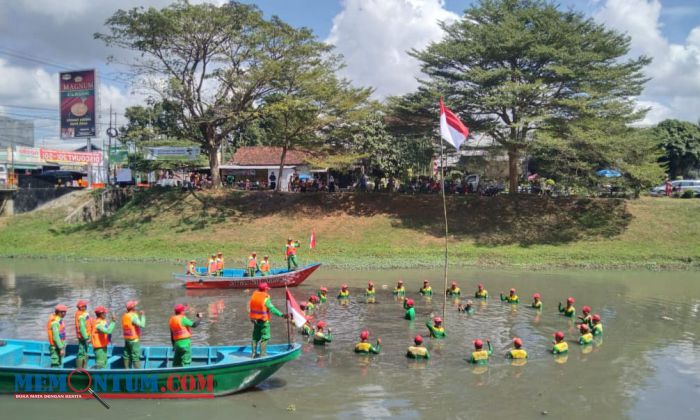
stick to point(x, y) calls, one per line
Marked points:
point(80, 383)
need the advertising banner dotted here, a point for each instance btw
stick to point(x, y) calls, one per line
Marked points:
point(77, 104)
point(172, 153)
point(60, 156)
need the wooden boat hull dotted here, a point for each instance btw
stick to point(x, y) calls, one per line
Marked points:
point(282, 279)
point(215, 371)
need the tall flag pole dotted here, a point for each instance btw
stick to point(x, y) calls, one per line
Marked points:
point(294, 313)
point(454, 132)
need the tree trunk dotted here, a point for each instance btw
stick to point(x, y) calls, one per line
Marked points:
point(513, 171)
point(214, 159)
point(279, 174)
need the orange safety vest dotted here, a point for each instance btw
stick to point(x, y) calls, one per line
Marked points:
point(258, 309)
point(88, 323)
point(212, 266)
point(291, 249)
point(100, 340)
point(177, 329)
point(219, 264)
point(265, 266)
point(252, 262)
point(131, 331)
point(61, 328)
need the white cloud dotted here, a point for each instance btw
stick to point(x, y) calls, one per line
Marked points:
point(374, 35)
point(674, 88)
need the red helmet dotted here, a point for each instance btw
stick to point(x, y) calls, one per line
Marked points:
point(400, 281)
point(409, 302)
point(596, 318)
point(454, 283)
point(512, 290)
point(481, 285)
point(536, 296)
point(478, 343)
point(364, 335)
point(517, 342)
point(559, 335)
point(570, 300)
point(437, 320)
point(418, 339)
point(81, 303)
point(314, 298)
point(302, 305)
point(321, 324)
point(370, 283)
point(179, 308)
point(586, 309)
point(425, 281)
point(61, 308)
point(131, 304)
point(583, 327)
point(100, 310)
point(263, 287)
point(345, 286)
point(324, 289)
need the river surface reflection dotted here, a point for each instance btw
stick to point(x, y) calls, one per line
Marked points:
point(646, 366)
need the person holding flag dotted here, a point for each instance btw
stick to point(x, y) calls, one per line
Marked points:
point(259, 308)
point(312, 242)
point(296, 314)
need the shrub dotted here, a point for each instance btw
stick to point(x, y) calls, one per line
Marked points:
point(688, 194)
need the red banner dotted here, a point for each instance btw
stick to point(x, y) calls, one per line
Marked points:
point(61, 156)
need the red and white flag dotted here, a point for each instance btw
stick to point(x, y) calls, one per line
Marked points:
point(312, 243)
point(451, 128)
point(295, 311)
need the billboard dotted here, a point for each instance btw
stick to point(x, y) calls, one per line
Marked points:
point(77, 97)
point(172, 153)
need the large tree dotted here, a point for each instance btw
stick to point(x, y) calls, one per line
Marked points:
point(681, 143)
point(309, 104)
point(216, 63)
point(514, 67)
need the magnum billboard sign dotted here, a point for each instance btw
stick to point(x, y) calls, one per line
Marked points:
point(77, 93)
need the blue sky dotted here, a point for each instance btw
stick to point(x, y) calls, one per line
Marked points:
point(39, 38)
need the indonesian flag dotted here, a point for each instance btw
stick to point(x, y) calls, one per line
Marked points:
point(295, 311)
point(451, 128)
point(312, 243)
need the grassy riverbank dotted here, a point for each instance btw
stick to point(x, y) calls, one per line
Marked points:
point(373, 230)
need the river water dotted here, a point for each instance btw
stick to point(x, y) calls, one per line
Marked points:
point(646, 366)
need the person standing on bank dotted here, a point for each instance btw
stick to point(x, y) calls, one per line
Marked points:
point(132, 323)
point(259, 308)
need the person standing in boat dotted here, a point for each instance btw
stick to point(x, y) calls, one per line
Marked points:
point(265, 266)
point(56, 330)
point(220, 263)
point(253, 266)
point(132, 323)
point(259, 308)
point(83, 330)
point(180, 333)
point(101, 336)
point(212, 267)
point(191, 269)
point(291, 253)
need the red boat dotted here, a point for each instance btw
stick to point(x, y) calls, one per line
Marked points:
point(235, 279)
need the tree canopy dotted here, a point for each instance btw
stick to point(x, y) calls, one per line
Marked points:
point(680, 141)
point(513, 68)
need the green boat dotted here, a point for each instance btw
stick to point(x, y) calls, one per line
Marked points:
point(215, 371)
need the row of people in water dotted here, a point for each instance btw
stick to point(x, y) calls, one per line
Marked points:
point(568, 310)
point(322, 335)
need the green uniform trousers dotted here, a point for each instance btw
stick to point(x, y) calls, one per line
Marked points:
point(132, 354)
